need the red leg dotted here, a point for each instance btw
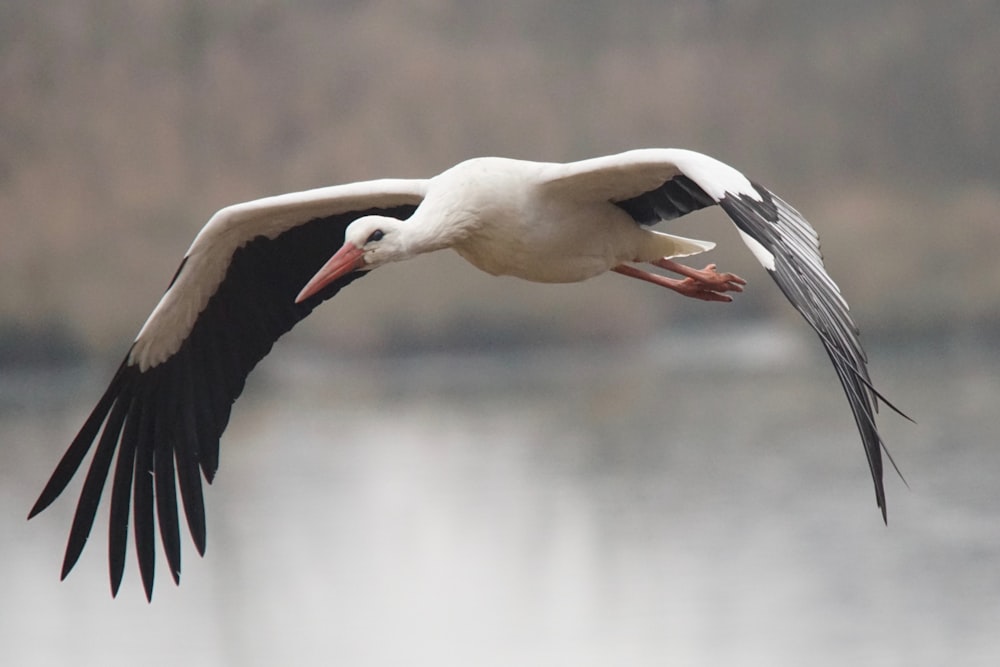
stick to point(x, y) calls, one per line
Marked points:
point(690, 286)
point(708, 278)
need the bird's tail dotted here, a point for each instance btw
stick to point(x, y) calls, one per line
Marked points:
point(669, 245)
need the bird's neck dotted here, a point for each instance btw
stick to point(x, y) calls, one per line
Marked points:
point(435, 228)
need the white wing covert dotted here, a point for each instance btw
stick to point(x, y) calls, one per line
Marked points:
point(169, 402)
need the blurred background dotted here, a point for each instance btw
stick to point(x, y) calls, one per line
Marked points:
point(440, 467)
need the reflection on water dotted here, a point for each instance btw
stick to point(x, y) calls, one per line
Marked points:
point(643, 507)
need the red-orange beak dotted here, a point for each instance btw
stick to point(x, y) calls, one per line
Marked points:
point(349, 258)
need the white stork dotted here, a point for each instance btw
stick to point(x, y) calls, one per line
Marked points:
point(258, 268)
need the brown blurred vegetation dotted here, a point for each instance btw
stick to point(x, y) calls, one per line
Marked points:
point(124, 125)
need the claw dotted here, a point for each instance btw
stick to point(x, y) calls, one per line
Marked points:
point(705, 284)
point(708, 278)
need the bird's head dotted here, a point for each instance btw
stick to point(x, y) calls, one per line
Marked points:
point(369, 242)
point(376, 240)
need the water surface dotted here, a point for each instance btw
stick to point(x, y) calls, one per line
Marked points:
point(684, 502)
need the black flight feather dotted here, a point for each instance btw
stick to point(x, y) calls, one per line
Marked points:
point(165, 422)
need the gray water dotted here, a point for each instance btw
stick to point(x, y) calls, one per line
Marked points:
point(682, 502)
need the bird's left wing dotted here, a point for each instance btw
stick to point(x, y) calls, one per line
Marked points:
point(169, 402)
point(661, 184)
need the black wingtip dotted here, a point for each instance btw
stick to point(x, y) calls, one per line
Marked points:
point(48, 495)
point(158, 419)
point(199, 538)
point(67, 566)
point(38, 507)
point(879, 398)
point(148, 589)
point(63, 474)
point(75, 453)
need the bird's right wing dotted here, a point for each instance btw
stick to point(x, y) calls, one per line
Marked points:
point(169, 402)
point(658, 184)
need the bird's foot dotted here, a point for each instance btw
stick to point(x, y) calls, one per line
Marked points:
point(692, 288)
point(701, 281)
point(705, 284)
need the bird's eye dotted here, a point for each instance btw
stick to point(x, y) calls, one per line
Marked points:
point(375, 236)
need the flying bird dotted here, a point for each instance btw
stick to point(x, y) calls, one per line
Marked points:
point(257, 268)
